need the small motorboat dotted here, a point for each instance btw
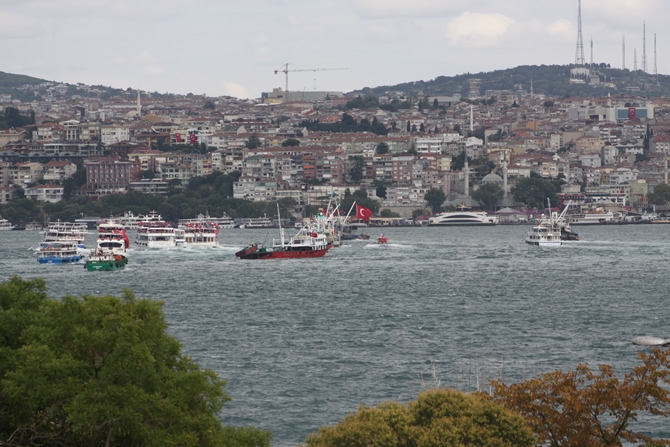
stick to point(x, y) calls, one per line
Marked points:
point(382, 239)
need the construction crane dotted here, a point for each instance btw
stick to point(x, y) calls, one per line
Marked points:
point(286, 71)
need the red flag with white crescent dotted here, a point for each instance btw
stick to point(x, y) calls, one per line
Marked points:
point(363, 213)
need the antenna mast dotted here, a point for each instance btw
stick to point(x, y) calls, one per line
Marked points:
point(623, 52)
point(591, 51)
point(579, 54)
point(634, 59)
point(644, 47)
point(655, 65)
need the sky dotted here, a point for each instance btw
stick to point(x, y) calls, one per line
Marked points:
point(226, 47)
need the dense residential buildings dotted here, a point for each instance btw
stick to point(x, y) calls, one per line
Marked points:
point(596, 146)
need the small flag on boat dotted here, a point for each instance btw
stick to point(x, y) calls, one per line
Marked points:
point(363, 213)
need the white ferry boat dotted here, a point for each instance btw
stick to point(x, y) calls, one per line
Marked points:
point(154, 232)
point(223, 222)
point(592, 218)
point(256, 222)
point(65, 231)
point(201, 233)
point(469, 218)
point(129, 220)
point(544, 234)
point(112, 237)
point(5, 224)
point(60, 252)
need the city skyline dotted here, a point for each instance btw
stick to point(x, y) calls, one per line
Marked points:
point(229, 48)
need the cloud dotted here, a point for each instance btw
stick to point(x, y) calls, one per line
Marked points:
point(562, 28)
point(404, 8)
point(476, 29)
point(15, 26)
point(235, 89)
point(621, 9)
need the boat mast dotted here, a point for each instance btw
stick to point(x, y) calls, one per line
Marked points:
point(281, 230)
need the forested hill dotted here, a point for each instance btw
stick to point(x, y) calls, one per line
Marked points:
point(9, 81)
point(551, 80)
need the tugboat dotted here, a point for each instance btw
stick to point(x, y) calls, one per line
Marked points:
point(105, 260)
point(382, 239)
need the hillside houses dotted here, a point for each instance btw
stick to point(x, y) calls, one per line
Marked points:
point(278, 153)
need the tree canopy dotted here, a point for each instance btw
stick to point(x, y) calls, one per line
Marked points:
point(586, 408)
point(435, 198)
point(102, 371)
point(534, 192)
point(488, 195)
point(440, 417)
point(661, 195)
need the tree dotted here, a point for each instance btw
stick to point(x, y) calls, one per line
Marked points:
point(290, 142)
point(587, 408)
point(661, 195)
point(148, 174)
point(534, 192)
point(437, 417)
point(102, 371)
point(548, 104)
point(209, 105)
point(253, 142)
point(380, 189)
point(356, 171)
point(488, 194)
point(382, 148)
point(422, 128)
point(435, 198)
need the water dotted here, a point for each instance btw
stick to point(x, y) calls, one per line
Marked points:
point(304, 342)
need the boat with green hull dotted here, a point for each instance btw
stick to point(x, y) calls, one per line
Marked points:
point(105, 261)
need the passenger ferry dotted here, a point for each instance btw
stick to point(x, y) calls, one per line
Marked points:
point(200, 233)
point(65, 231)
point(469, 218)
point(592, 218)
point(60, 252)
point(154, 232)
point(5, 224)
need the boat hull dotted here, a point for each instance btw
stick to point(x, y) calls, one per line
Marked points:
point(254, 252)
point(545, 243)
point(60, 260)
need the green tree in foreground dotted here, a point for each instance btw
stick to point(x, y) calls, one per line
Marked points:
point(441, 417)
point(96, 371)
point(585, 408)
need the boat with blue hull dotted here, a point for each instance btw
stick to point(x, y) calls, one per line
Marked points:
point(60, 252)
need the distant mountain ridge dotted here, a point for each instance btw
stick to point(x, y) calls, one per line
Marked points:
point(550, 80)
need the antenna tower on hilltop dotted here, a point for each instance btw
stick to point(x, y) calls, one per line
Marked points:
point(579, 54)
point(634, 59)
point(591, 51)
point(655, 65)
point(644, 47)
point(623, 52)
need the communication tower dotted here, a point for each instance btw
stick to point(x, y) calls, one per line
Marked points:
point(644, 47)
point(623, 52)
point(579, 54)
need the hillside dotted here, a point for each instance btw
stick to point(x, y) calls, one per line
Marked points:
point(550, 80)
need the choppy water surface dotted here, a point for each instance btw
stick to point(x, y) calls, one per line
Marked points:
point(304, 342)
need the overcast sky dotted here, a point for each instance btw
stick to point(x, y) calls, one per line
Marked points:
point(233, 47)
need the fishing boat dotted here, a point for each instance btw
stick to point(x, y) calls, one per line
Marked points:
point(547, 233)
point(200, 233)
point(307, 243)
point(154, 232)
point(5, 224)
point(59, 252)
point(112, 236)
point(105, 260)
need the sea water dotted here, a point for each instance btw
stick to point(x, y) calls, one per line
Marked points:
point(303, 342)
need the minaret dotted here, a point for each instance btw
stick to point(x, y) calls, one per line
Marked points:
point(531, 89)
point(634, 59)
point(466, 171)
point(504, 174)
point(139, 104)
